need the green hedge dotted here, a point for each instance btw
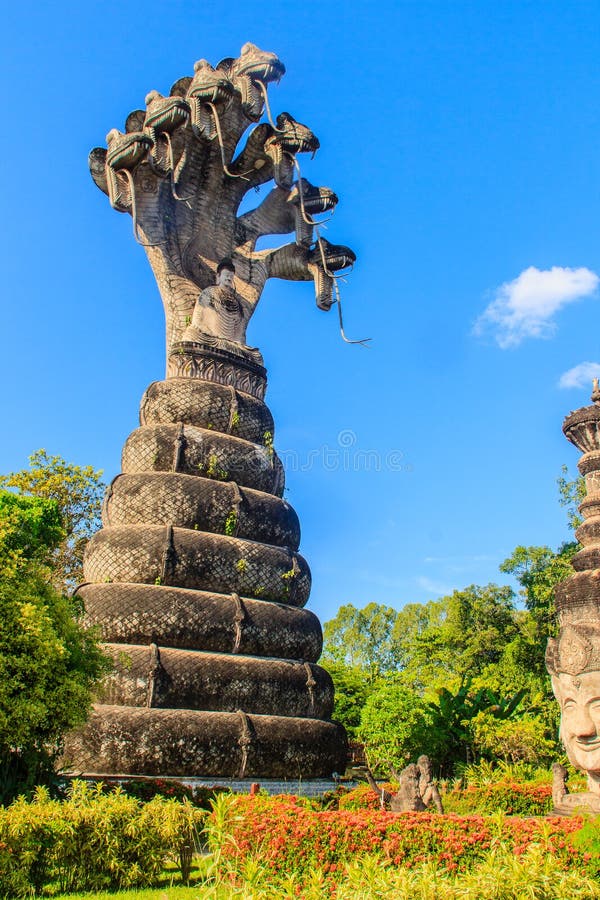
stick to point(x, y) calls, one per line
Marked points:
point(93, 840)
point(147, 788)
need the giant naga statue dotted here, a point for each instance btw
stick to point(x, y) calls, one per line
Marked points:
point(195, 580)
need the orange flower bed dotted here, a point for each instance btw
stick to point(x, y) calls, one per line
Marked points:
point(288, 836)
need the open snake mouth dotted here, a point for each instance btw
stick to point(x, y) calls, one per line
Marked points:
point(259, 65)
point(265, 72)
point(207, 92)
point(208, 85)
point(295, 144)
point(294, 137)
point(315, 199)
point(166, 113)
point(125, 151)
point(336, 256)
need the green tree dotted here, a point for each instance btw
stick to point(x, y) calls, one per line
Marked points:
point(48, 662)
point(395, 725)
point(512, 740)
point(362, 639)
point(538, 570)
point(77, 492)
point(456, 637)
point(571, 491)
point(28, 531)
point(452, 715)
point(351, 692)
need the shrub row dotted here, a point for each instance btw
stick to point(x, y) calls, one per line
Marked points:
point(148, 788)
point(507, 796)
point(510, 797)
point(93, 841)
point(363, 796)
point(288, 836)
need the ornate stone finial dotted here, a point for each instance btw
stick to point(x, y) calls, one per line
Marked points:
point(595, 392)
point(177, 170)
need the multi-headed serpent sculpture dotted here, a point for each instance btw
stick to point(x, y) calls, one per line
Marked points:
point(195, 579)
point(178, 170)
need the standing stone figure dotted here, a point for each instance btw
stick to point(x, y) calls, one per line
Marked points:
point(573, 658)
point(428, 789)
point(195, 579)
point(416, 788)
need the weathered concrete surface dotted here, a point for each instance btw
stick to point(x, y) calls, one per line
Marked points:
point(169, 678)
point(154, 554)
point(197, 620)
point(186, 501)
point(129, 741)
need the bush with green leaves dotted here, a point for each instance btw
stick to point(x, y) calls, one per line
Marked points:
point(49, 663)
point(146, 789)
point(93, 840)
point(76, 494)
point(513, 740)
point(395, 725)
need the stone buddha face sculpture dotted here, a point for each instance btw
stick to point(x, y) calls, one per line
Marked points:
point(225, 277)
point(579, 698)
point(574, 663)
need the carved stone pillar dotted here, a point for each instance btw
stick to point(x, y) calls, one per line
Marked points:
point(197, 585)
point(573, 659)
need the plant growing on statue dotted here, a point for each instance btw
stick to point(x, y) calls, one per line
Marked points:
point(231, 523)
point(213, 470)
point(268, 442)
point(287, 578)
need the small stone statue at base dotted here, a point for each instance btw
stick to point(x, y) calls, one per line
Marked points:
point(566, 804)
point(427, 786)
point(416, 789)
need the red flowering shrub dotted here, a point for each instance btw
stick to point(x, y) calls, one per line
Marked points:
point(514, 798)
point(364, 797)
point(289, 837)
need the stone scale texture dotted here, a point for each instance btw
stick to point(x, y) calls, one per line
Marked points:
point(573, 658)
point(195, 580)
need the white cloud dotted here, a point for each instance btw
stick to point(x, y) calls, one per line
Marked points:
point(525, 307)
point(432, 586)
point(580, 376)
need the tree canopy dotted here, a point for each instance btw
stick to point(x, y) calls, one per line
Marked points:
point(77, 492)
point(461, 677)
point(362, 638)
point(48, 662)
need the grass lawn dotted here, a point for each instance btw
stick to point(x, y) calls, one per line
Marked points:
point(160, 893)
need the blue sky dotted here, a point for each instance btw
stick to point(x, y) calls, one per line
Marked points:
point(463, 140)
